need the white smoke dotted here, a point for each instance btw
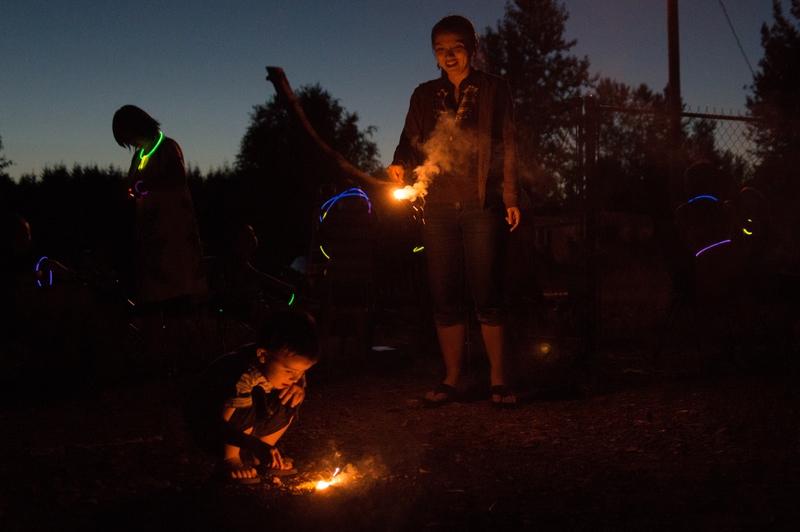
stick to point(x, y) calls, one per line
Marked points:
point(449, 147)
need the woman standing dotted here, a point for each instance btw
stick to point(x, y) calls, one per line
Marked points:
point(459, 138)
point(170, 270)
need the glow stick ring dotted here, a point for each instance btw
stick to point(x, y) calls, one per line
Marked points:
point(349, 193)
point(36, 268)
point(702, 196)
point(727, 241)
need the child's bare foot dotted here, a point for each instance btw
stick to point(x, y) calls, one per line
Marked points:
point(236, 471)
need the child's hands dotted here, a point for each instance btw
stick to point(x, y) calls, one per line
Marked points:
point(277, 459)
point(293, 395)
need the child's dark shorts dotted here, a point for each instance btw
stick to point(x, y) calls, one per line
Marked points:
point(266, 416)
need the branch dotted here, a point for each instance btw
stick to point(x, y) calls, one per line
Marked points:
point(339, 164)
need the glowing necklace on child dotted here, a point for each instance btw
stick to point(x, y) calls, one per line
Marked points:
point(144, 158)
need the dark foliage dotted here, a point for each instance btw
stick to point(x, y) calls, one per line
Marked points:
point(279, 183)
point(4, 163)
point(73, 213)
point(529, 50)
point(277, 186)
point(776, 99)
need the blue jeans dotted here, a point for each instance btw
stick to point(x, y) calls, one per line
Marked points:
point(465, 243)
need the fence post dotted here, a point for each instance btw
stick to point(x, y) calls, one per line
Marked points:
point(674, 105)
point(592, 221)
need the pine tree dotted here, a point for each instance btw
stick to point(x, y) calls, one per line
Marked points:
point(776, 97)
point(528, 48)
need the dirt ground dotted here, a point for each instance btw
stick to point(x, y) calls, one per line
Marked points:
point(627, 443)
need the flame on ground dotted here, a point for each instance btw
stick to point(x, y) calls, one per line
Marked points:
point(322, 484)
point(347, 477)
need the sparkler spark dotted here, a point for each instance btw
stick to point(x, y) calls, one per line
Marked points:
point(322, 484)
point(412, 192)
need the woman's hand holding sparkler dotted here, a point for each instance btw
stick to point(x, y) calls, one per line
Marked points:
point(513, 217)
point(395, 173)
point(294, 393)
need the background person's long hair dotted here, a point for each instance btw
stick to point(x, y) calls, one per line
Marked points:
point(131, 123)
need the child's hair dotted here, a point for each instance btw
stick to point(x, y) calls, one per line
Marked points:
point(290, 331)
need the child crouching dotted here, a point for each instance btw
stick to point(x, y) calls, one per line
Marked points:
point(247, 399)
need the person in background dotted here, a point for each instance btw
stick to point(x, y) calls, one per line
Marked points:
point(74, 335)
point(463, 122)
point(248, 292)
point(170, 269)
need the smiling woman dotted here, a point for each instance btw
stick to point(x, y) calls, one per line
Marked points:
point(459, 141)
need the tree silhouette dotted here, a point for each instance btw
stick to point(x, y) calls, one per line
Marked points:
point(529, 50)
point(776, 99)
point(6, 184)
point(631, 146)
point(4, 161)
point(273, 142)
point(279, 183)
point(632, 156)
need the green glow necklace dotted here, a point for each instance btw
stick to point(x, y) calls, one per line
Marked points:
point(144, 158)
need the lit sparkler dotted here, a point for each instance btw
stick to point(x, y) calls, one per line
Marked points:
point(411, 192)
point(322, 484)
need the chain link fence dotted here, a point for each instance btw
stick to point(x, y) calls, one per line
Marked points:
point(611, 168)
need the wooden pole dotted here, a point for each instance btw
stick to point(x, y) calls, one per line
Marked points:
point(338, 164)
point(674, 106)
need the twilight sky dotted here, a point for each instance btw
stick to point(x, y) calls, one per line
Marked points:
point(198, 66)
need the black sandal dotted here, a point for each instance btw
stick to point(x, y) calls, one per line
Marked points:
point(266, 471)
point(505, 397)
point(448, 393)
point(223, 473)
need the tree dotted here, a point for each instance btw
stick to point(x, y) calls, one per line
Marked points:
point(272, 139)
point(4, 162)
point(278, 186)
point(776, 91)
point(6, 184)
point(776, 101)
point(529, 50)
point(631, 146)
point(632, 156)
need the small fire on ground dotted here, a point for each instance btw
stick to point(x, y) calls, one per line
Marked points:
point(324, 484)
point(340, 476)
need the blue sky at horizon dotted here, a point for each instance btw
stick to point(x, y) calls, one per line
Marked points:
point(199, 67)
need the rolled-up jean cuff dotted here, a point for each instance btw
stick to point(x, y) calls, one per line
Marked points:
point(450, 320)
point(493, 318)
